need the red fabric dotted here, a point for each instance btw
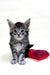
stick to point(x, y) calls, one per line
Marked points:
point(38, 54)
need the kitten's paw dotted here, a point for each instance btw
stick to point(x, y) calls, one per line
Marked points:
point(22, 62)
point(13, 61)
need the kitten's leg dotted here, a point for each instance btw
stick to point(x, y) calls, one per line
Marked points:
point(21, 59)
point(14, 60)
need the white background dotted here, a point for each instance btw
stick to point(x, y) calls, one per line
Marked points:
point(21, 10)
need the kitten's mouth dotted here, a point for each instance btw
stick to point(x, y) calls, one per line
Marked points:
point(18, 37)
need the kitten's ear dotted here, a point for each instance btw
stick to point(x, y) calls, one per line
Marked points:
point(11, 24)
point(27, 23)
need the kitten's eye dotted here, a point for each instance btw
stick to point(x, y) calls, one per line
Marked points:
point(15, 31)
point(22, 30)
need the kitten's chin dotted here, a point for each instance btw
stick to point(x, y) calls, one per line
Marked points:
point(19, 38)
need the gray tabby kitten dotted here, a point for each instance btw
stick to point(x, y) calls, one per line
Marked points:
point(19, 40)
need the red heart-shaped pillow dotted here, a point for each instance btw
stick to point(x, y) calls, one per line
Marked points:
point(38, 54)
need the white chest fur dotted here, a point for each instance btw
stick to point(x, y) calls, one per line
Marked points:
point(18, 47)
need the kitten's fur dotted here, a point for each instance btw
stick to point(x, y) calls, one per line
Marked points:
point(19, 40)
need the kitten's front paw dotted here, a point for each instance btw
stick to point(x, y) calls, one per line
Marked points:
point(13, 61)
point(22, 62)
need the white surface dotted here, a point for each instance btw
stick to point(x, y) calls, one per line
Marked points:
point(21, 10)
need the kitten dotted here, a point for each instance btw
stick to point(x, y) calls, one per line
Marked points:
point(19, 40)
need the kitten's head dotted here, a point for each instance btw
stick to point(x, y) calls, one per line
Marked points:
point(19, 30)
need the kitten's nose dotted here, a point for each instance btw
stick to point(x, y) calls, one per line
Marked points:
point(18, 34)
